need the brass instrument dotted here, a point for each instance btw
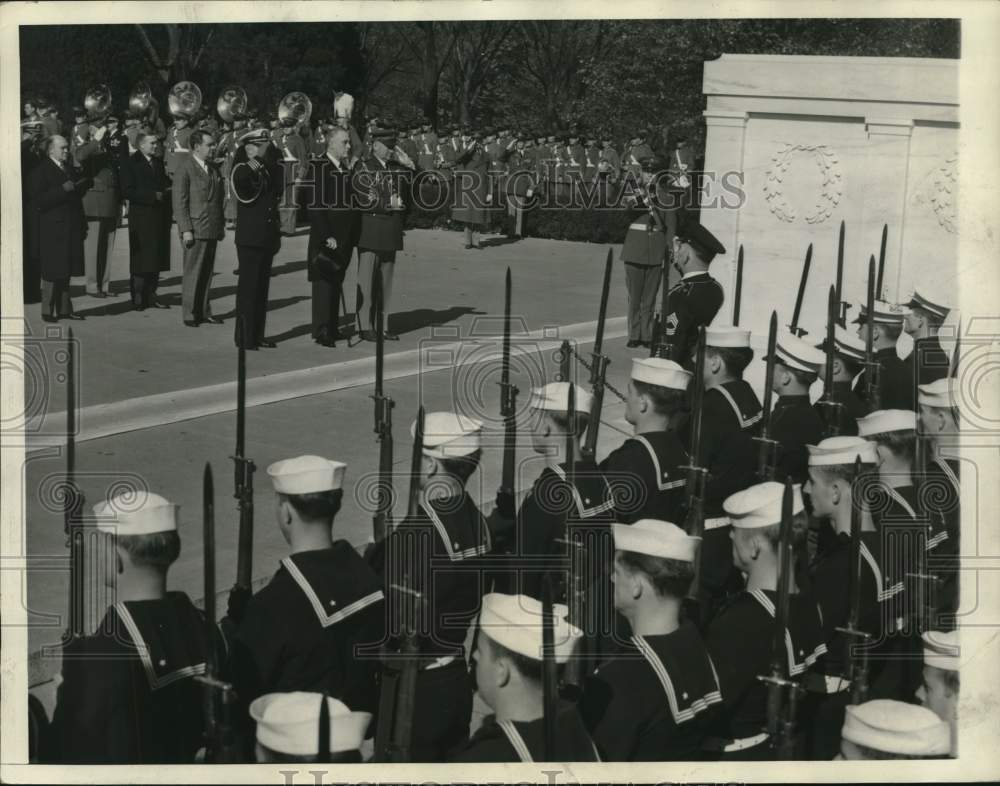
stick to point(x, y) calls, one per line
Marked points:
point(343, 107)
point(138, 101)
point(232, 103)
point(97, 102)
point(184, 100)
point(294, 109)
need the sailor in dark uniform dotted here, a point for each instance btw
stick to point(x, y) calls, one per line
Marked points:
point(300, 631)
point(895, 377)
point(653, 701)
point(128, 695)
point(922, 321)
point(848, 357)
point(739, 637)
point(794, 422)
point(829, 494)
point(443, 550)
point(288, 728)
point(646, 472)
point(696, 298)
point(508, 666)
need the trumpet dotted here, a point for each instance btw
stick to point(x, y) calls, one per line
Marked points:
point(232, 104)
point(184, 100)
point(97, 102)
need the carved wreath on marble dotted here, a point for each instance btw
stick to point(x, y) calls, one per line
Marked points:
point(943, 198)
point(830, 194)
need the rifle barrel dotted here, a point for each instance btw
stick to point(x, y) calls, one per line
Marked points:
point(800, 296)
point(840, 263)
point(605, 289)
point(416, 459)
point(739, 287)
point(881, 260)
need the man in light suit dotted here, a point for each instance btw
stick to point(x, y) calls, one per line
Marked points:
point(198, 193)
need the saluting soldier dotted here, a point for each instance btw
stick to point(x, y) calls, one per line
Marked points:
point(228, 145)
point(739, 637)
point(472, 194)
point(895, 379)
point(128, 695)
point(654, 700)
point(697, 297)
point(848, 360)
point(887, 729)
point(299, 633)
point(508, 664)
point(591, 158)
point(794, 422)
point(101, 203)
point(645, 472)
point(288, 728)
point(922, 320)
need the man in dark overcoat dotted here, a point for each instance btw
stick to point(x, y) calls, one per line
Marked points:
point(101, 205)
point(471, 187)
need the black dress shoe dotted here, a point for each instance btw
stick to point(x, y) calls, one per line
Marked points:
point(74, 317)
point(368, 335)
point(191, 322)
point(390, 336)
point(97, 294)
point(633, 343)
point(267, 344)
point(213, 321)
point(160, 305)
point(323, 341)
point(468, 247)
point(48, 318)
point(139, 308)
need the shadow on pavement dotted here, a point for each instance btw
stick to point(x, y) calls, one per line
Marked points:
point(408, 321)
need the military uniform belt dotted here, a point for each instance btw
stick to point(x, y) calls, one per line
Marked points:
point(717, 523)
point(643, 227)
point(825, 683)
point(719, 745)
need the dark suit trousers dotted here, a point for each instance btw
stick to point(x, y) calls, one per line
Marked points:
point(642, 283)
point(55, 298)
point(143, 287)
point(326, 308)
point(251, 291)
point(199, 263)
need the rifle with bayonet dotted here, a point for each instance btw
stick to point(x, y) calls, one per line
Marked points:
point(599, 367)
point(767, 455)
point(833, 410)
point(873, 369)
point(550, 673)
point(222, 744)
point(800, 296)
point(881, 261)
point(697, 477)
point(244, 468)
point(841, 305)
point(738, 292)
point(855, 640)
point(782, 692)
point(73, 502)
point(508, 411)
point(383, 423)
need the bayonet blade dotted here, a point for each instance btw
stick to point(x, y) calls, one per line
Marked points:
point(800, 296)
point(881, 260)
point(739, 286)
point(606, 288)
point(840, 266)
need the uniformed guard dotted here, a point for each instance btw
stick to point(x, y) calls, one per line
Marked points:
point(636, 152)
point(696, 298)
point(427, 144)
point(508, 666)
point(101, 203)
point(288, 728)
point(645, 473)
point(738, 637)
point(848, 360)
point(941, 681)
point(300, 631)
point(127, 695)
point(591, 158)
point(794, 422)
point(940, 424)
point(609, 163)
point(177, 142)
point(653, 701)
point(922, 321)
point(895, 379)
point(888, 729)
point(294, 164)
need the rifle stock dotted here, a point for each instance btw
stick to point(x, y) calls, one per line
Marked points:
point(697, 474)
point(508, 411)
point(243, 468)
point(383, 424)
point(550, 678)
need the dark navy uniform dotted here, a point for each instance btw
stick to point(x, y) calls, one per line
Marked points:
point(653, 702)
point(896, 389)
point(928, 361)
point(646, 477)
point(853, 409)
point(794, 424)
point(739, 643)
point(299, 632)
point(941, 495)
point(127, 695)
point(524, 741)
point(692, 302)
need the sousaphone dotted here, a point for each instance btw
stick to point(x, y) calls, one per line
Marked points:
point(97, 102)
point(294, 109)
point(139, 99)
point(232, 104)
point(184, 100)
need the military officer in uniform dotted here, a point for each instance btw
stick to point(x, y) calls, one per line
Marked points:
point(887, 729)
point(288, 728)
point(636, 152)
point(652, 701)
point(941, 678)
point(591, 158)
point(696, 298)
point(939, 423)
point(848, 360)
point(101, 204)
point(294, 164)
point(794, 422)
point(178, 143)
point(739, 637)
point(645, 472)
point(609, 162)
point(472, 193)
point(427, 144)
point(128, 695)
point(895, 378)
point(508, 664)
point(922, 320)
point(299, 632)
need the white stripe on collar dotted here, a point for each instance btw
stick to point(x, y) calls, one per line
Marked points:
point(474, 551)
point(949, 473)
point(326, 620)
point(808, 660)
point(899, 498)
point(661, 484)
point(698, 705)
point(583, 511)
point(155, 681)
point(516, 740)
point(744, 423)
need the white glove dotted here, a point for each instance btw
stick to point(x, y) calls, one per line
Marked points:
point(489, 198)
point(331, 243)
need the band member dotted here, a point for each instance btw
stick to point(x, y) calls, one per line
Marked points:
point(427, 144)
point(288, 728)
point(257, 186)
point(591, 158)
point(380, 187)
point(653, 701)
point(147, 188)
point(646, 472)
point(58, 226)
point(848, 360)
point(922, 321)
point(177, 144)
point(895, 378)
point(737, 637)
point(518, 187)
point(609, 162)
point(636, 152)
point(127, 695)
point(794, 422)
point(697, 297)
point(226, 149)
point(294, 163)
point(101, 204)
point(886, 729)
point(198, 194)
point(472, 193)
point(80, 132)
point(941, 679)
point(508, 663)
point(300, 631)
point(333, 233)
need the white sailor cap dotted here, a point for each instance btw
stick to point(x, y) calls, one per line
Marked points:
point(136, 513)
point(657, 539)
point(449, 435)
point(885, 314)
point(884, 420)
point(846, 343)
point(307, 475)
point(941, 649)
point(760, 505)
point(939, 393)
point(727, 337)
point(289, 723)
point(515, 622)
point(835, 451)
point(894, 726)
point(919, 301)
point(554, 397)
point(661, 372)
point(792, 351)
